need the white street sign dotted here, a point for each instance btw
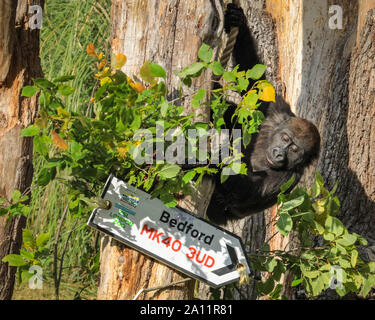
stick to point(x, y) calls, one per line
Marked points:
point(171, 235)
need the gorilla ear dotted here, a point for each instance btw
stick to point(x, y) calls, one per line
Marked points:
point(279, 111)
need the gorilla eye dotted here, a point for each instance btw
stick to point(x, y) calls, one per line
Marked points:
point(285, 138)
point(294, 148)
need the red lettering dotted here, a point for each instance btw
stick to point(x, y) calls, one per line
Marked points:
point(197, 257)
point(167, 241)
point(179, 244)
point(145, 228)
point(192, 252)
point(157, 235)
point(207, 262)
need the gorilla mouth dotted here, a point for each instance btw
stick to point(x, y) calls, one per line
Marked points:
point(270, 161)
point(273, 165)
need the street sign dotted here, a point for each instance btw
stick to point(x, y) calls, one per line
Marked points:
point(171, 235)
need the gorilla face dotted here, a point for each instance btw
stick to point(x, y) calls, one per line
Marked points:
point(283, 151)
point(285, 142)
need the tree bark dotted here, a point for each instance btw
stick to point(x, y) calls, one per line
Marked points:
point(327, 75)
point(167, 32)
point(19, 63)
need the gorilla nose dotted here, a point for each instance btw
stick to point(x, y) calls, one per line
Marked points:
point(278, 154)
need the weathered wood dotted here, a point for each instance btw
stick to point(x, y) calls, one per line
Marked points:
point(167, 32)
point(313, 67)
point(358, 207)
point(19, 62)
point(312, 74)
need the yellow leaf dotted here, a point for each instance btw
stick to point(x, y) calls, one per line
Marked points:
point(63, 113)
point(58, 141)
point(105, 80)
point(92, 100)
point(146, 74)
point(105, 73)
point(91, 50)
point(100, 56)
point(120, 61)
point(139, 87)
point(102, 64)
point(42, 121)
point(268, 94)
point(122, 151)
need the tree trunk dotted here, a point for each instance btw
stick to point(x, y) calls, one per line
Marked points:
point(327, 75)
point(19, 62)
point(167, 32)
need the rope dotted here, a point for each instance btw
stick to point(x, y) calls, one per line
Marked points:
point(230, 43)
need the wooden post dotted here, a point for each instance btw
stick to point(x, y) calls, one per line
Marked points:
point(19, 62)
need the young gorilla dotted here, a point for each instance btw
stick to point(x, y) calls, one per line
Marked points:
point(283, 147)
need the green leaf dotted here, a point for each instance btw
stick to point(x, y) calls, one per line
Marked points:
point(296, 282)
point(42, 239)
point(334, 225)
point(271, 264)
point(284, 224)
point(205, 53)
point(169, 171)
point(256, 72)
point(229, 76)
point(317, 286)
point(319, 179)
point(76, 151)
point(223, 177)
point(189, 176)
point(196, 101)
point(194, 69)
point(243, 84)
point(14, 260)
point(64, 79)
point(43, 83)
point(26, 254)
point(217, 68)
point(168, 200)
point(146, 74)
point(16, 195)
point(100, 91)
point(367, 284)
point(347, 240)
point(328, 236)
point(157, 70)
point(26, 275)
point(251, 99)
point(287, 185)
point(65, 90)
point(164, 108)
point(265, 288)
point(30, 131)
point(318, 227)
point(246, 139)
point(292, 204)
point(28, 240)
point(29, 91)
point(45, 176)
point(316, 190)
point(42, 144)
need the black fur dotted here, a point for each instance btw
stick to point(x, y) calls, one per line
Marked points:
point(284, 146)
